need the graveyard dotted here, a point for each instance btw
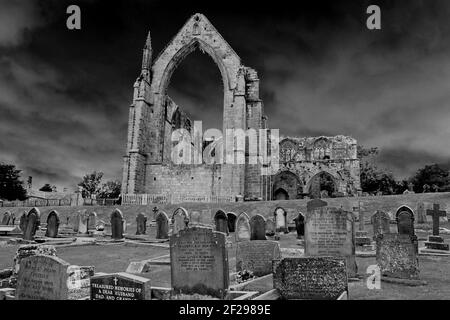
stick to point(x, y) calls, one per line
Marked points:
point(245, 251)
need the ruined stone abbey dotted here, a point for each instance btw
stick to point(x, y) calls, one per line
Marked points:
point(314, 167)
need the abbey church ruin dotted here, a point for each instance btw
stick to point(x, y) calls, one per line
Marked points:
point(312, 167)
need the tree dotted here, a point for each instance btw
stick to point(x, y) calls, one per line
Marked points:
point(90, 185)
point(372, 178)
point(431, 175)
point(110, 190)
point(47, 188)
point(11, 187)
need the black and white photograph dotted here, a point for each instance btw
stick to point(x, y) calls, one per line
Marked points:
point(238, 151)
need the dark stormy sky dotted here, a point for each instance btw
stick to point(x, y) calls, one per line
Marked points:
point(64, 95)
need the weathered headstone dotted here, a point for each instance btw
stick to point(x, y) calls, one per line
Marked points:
point(362, 238)
point(117, 223)
point(6, 220)
point(405, 221)
point(242, 227)
point(120, 286)
point(221, 221)
point(199, 262)
point(32, 224)
point(329, 232)
point(180, 220)
point(280, 218)
point(42, 277)
point(421, 217)
point(270, 227)
point(300, 225)
point(141, 224)
point(162, 225)
point(231, 221)
point(381, 223)
point(23, 221)
point(92, 221)
point(310, 278)
point(257, 256)
point(52, 224)
point(83, 217)
point(396, 256)
point(435, 241)
point(257, 227)
point(79, 276)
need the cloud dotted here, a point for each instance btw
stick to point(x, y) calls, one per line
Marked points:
point(64, 95)
point(17, 18)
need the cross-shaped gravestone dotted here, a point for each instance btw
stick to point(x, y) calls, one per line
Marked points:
point(435, 213)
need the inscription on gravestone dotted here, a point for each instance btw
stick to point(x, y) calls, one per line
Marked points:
point(199, 262)
point(396, 256)
point(312, 278)
point(120, 286)
point(42, 278)
point(330, 232)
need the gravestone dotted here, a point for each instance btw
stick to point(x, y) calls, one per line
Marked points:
point(92, 221)
point(23, 222)
point(52, 224)
point(117, 223)
point(162, 225)
point(381, 223)
point(436, 242)
point(242, 227)
point(280, 218)
point(6, 220)
point(180, 220)
point(79, 277)
point(199, 262)
point(42, 277)
point(362, 238)
point(300, 225)
point(257, 227)
point(421, 217)
point(314, 204)
point(120, 286)
point(231, 221)
point(329, 232)
point(396, 256)
point(310, 278)
point(405, 221)
point(221, 222)
point(257, 256)
point(141, 224)
point(83, 217)
point(270, 228)
point(32, 224)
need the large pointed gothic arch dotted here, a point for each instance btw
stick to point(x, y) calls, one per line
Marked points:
point(147, 146)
